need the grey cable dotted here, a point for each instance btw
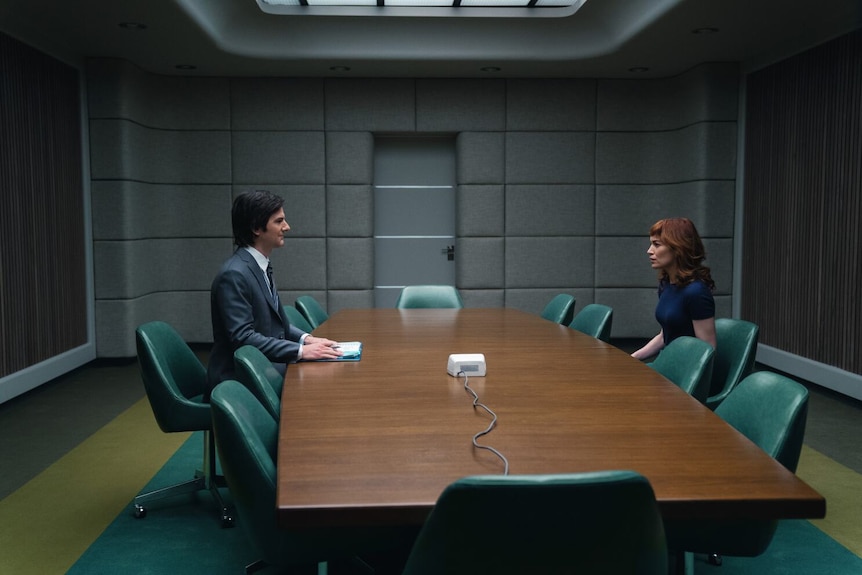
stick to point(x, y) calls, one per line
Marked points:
point(477, 403)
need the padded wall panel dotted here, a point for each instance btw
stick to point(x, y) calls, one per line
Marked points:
point(483, 297)
point(118, 89)
point(349, 158)
point(123, 150)
point(550, 157)
point(304, 208)
point(349, 299)
point(350, 211)
point(719, 258)
point(300, 265)
point(479, 263)
point(123, 209)
point(458, 105)
point(550, 210)
point(704, 151)
point(187, 311)
point(633, 209)
point(534, 300)
point(706, 93)
point(129, 269)
point(634, 310)
point(480, 210)
point(276, 103)
point(278, 157)
point(549, 262)
point(350, 263)
point(623, 262)
point(370, 105)
point(480, 157)
point(550, 105)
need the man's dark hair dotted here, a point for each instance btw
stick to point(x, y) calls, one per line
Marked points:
point(251, 211)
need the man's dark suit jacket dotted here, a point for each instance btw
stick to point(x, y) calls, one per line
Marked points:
point(244, 313)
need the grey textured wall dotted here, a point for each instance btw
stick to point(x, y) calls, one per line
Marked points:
point(559, 181)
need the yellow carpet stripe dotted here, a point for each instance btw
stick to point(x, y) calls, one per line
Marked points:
point(841, 487)
point(51, 520)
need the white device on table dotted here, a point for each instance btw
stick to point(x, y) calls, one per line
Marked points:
point(472, 364)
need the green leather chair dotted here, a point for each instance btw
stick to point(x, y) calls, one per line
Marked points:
point(257, 373)
point(560, 309)
point(295, 317)
point(247, 441)
point(175, 381)
point(603, 522)
point(594, 319)
point(687, 361)
point(311, 310)
point(770, 410)
point(736, 348)
point(429, 296)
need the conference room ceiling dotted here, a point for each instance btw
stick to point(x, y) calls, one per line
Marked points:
point(605, 38)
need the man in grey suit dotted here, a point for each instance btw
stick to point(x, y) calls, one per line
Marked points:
point(244, 300)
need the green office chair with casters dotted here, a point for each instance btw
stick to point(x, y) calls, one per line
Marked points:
point(429, 296)
point(736, 348)
point(175, 381)
point(257, 373)
point(560, 309)
point(247, 441)
point(687, 361)
point(311, 310)
point(594, 319)
point(771, 410)
point(295, 317)
point(603, 522)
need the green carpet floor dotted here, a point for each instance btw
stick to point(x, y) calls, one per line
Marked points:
point(182, 535)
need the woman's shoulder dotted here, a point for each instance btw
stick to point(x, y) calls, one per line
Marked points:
point(698, 288)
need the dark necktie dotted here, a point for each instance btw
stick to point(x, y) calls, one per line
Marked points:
point(273, 291)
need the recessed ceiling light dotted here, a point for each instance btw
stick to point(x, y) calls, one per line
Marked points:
point(704, 31)
point(340, 68)
point(490, 69)
point(639, 69)
point(133, 26)
point(186, 67)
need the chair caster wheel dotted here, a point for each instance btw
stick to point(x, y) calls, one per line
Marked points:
point(226, 522)
point(714, 559)
point(140, 512)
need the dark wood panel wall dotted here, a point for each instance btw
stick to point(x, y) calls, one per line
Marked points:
point(43, 307)
point(802, 254)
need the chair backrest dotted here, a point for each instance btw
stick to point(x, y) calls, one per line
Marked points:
point(687, 361)
point(257, 373)
point(603, 522)
point(736, 348)
point(560, 309)
point(429, 296)
point(295, 317)
point(594, 319)
point(311, 310)
point(174, 378)
point(771, 410)
point(247, 439)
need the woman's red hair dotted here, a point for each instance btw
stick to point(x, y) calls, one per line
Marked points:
point(681, 237)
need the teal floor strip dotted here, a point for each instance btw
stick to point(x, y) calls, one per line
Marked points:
point(181, 534)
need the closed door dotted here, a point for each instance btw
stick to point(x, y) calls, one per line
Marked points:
point(414, 214)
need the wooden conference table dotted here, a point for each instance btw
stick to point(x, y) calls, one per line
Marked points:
point(375, 442)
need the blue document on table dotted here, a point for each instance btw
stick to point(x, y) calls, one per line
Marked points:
point(351, 351)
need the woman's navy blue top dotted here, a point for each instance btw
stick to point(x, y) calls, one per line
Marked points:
point(679, 306)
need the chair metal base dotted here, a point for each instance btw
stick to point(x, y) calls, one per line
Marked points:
point(207, 479)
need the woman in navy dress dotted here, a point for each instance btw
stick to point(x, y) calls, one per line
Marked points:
point(685, 303)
